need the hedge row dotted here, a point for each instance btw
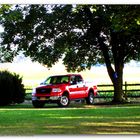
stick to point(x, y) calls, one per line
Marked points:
point(11, 88)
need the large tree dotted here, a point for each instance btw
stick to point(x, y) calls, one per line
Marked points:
point(82, 35)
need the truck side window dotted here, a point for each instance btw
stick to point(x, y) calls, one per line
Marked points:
point(73, 80)
point(65, 79)
point(79, 79)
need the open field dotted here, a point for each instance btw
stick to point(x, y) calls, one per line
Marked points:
point(76, 119)
point(34, 73)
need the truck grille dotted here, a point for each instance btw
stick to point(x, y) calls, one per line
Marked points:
point(43, 90)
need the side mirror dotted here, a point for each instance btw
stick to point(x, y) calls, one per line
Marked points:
point(41, 83)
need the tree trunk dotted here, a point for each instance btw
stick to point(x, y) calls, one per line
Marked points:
point(117, 43)
point(116, 74)
point(119, 96)
point(118, 93)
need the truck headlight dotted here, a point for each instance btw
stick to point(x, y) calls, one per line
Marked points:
point(56, 90)
point(33, 91)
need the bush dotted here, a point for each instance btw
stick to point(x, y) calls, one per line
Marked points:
point(11, 88)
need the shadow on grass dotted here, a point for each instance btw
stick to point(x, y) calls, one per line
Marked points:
point(104, 119)
point(28, 105)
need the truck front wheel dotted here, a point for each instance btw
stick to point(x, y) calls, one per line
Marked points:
point(90, 98)
point(38, 104)
point(64, 101)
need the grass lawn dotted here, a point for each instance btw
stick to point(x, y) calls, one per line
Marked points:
point(77, 119)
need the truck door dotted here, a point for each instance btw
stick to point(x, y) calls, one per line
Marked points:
point(81, 86)
point(77, 89)
point(73, 87)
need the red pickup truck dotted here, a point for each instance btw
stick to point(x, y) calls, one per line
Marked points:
point(61, 89)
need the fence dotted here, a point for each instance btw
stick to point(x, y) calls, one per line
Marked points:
point(130, 90)
point(106, 91)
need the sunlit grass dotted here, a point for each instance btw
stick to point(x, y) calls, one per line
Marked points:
point(51, 120)
point(77, 119)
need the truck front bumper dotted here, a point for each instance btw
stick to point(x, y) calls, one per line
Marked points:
point(51, 98)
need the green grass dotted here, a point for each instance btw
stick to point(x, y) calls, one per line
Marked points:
point(77, 119)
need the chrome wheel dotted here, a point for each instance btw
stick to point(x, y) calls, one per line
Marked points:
point(90, 98)
point(64, 101)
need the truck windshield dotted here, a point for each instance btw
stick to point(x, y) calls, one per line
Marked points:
point(57, 80)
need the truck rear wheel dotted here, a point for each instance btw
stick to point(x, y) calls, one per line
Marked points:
point(64, 101)
point(90, 98)
point(38, 104)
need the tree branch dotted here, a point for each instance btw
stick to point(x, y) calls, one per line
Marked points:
point(104, 49)
point(128, 54)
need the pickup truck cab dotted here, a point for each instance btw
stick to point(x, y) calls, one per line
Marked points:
point(61, 89)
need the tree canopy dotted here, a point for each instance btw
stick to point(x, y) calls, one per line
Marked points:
point(82, 35)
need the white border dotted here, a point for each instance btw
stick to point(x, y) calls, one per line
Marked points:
point(70, 137)
point(70, 2)
point(95, 137)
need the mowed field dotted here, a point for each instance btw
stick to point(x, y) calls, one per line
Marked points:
point(24, 120)
point(77, 119)
point(34, 73)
